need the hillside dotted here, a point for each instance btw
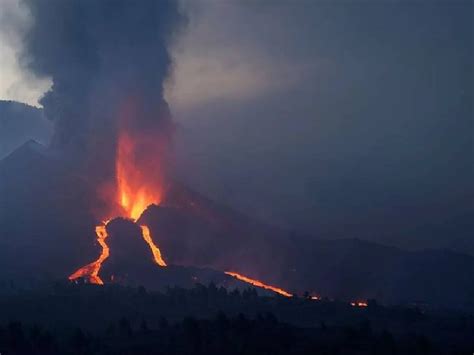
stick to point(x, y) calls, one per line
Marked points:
point(19, 123)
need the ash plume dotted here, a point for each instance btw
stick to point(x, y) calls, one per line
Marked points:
point(108, 61)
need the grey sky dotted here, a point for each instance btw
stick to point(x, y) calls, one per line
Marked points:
point(16, 83)
point(346, 118)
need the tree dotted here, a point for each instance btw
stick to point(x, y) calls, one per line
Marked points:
point(79, 341)
point(125, 328)
point(163, 323)
point(144, 326)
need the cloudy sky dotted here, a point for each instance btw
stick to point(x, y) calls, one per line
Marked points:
point(333, 118)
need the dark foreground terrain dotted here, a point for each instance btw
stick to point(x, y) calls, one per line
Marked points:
point(85, 319)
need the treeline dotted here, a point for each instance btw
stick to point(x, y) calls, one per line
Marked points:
point(85, 319)
point(219, 335)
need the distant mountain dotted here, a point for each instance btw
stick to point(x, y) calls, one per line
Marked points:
point(200, 233)
point(47, 232)
point(19, 123)
point(44, 223)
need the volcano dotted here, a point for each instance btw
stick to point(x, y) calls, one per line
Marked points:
point(47, 233)
point(125, 246)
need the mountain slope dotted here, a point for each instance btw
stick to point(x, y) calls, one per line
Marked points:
point(20, 123)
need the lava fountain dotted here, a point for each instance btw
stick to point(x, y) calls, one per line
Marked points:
point(135, 192)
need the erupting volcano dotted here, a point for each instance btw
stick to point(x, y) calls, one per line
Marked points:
point(136, 189)
point(108, 199)
point(108, 158)
point(113, 127)
point(134, 195)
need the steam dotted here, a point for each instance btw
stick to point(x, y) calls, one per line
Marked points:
point(108, 61)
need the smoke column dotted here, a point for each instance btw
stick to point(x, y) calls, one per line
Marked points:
point(108, 60)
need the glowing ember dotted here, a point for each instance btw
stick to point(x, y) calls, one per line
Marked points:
point(136, 191)
point(154, 249)
point(259, 284)
point(91, 271)
point(359, 304)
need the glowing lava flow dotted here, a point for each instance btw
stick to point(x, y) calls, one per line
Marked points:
point(154, 249)
point(259, 284)
point(92, 270)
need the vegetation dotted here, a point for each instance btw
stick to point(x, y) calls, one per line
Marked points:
point(85, 319)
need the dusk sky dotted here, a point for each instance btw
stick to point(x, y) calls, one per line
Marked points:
point(338, 119)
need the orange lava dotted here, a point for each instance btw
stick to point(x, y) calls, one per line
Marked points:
point(136, 190)
point(154, 249)
point(91, 271)
point(259, 284)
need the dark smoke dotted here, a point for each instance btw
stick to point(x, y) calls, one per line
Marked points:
point(104, 57)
